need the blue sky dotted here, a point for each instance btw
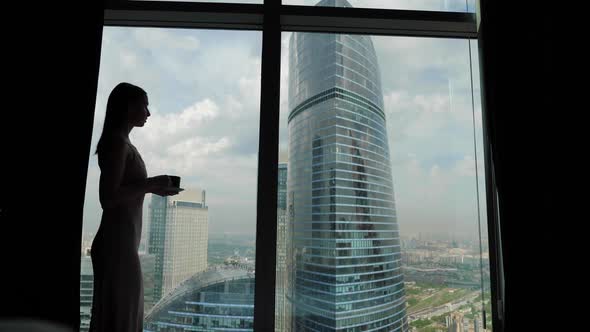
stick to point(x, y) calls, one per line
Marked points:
point(204, 88)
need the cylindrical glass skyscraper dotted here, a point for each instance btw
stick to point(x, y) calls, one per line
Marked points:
point(344, 249)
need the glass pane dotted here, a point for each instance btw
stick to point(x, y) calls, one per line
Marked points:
point(429, 5)
point(486, 300)
point(383, 191)
point(196, 248)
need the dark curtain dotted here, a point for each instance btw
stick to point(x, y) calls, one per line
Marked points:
point(51, 58)
point(515, 62)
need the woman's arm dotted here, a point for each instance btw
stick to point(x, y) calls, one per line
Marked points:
point(112, 161)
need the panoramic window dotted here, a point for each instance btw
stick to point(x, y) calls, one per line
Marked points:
point(381, 198)
point(381, 145)
point(197, 248)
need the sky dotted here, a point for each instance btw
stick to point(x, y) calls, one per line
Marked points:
point(438, 5)
point(204, 94)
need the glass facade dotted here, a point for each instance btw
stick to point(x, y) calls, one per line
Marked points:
point(282, 187)
point(344, 251)
point(218, 299)
point(282, 307)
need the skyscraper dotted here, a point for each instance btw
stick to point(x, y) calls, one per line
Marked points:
point(345, 272)
point(178, 235)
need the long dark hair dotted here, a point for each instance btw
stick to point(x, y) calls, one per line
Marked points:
point(117, 106)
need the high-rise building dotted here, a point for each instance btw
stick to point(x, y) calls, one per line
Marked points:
point(217, 299)
point(86, 289)
point(282, 308)
point(178, 235)
point(345, 268)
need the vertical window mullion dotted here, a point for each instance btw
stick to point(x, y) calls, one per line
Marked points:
point(268, 157)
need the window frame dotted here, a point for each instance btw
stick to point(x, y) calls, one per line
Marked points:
point(272, 18)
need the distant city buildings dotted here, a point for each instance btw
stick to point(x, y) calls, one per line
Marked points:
point(476, 327)
point(455, 322)
point(183, 208)
point(241, 262)
point(437, 253)
point(86, 289)
point(87, 238)
point(178, 236)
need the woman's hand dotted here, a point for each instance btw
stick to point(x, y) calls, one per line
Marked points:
point(161, 185)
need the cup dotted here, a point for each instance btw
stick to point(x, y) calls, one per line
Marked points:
point(175, 180)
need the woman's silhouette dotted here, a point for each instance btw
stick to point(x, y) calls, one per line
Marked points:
point(117, 304)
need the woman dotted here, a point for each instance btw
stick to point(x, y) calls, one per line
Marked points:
point(117, 304)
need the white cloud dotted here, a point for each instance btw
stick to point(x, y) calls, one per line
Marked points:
point(465, 167)
point(128, 59)
point(195, 115)
point(436, 103)
point(433, 198)
point(187, 157)
point(199, 147)
point(164, 129)
point(435, 171)
point(150, 37)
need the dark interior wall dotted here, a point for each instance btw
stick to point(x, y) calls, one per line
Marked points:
point(52, 58)
point(515, 40)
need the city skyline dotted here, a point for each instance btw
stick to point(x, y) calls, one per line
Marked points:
point(204, 127)
point(427, 262)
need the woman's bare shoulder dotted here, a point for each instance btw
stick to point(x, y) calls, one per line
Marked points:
point(113, 147)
